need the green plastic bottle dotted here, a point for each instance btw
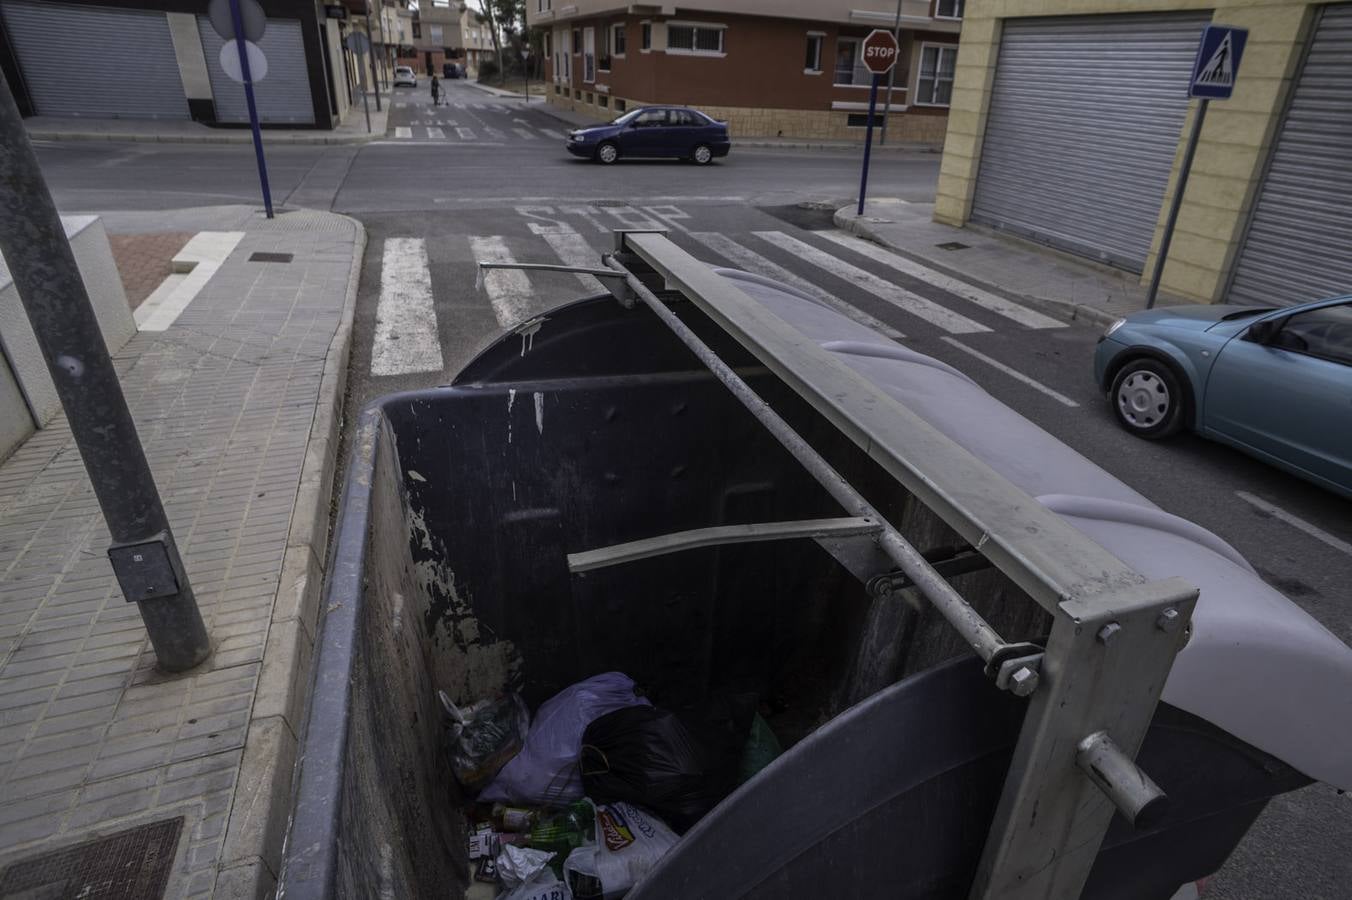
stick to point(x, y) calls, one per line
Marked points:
point(564, 831)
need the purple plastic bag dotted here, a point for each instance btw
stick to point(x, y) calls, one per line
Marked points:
point(545, 772)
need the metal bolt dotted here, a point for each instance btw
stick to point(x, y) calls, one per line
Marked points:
point(1108, 632)
point(1023, 682)
point(1169, 620)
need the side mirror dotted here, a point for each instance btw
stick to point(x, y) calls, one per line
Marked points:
point(1263, 332)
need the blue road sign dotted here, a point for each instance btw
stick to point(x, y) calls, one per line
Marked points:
point(1213, 74)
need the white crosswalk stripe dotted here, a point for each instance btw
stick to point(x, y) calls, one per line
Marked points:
point(573, 249)
point(551, 133)
point(903, 299)
point(403, 132)
point(466, 134)
point(1007, 308)
point(406, 339)
point(436, 134)
point(509, 290)
point(749, 260)
point(494, 134)
point(524, 133)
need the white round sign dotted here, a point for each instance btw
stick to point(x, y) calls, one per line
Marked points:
point(258, 63)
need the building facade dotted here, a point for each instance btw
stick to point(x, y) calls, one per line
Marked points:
point(1070, 118)
point(161, 59)
point(790, 68)
point(448, 31)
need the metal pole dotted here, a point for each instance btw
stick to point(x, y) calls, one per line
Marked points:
point(868, 141)
point(241, 46)
point(891, 78)
point(371, 50)
point(53, 295)
point(365, 98)
point(1167, 238)
point(384, 73)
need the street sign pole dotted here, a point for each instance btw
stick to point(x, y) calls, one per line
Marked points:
point(370, 39)
point(868, 141)
point(144, 556)
point(241, 46)
point(1167, 238)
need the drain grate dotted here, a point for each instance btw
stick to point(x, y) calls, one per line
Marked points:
point(129, 865)
point(263, 256)
point(952, 245)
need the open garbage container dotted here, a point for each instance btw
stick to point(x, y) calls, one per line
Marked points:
point(987, 659)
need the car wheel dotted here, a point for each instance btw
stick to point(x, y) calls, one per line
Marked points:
point(607, 153)
point(702, 155)
point(1148, 399)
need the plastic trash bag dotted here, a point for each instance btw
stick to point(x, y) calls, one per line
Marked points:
point(543, 885)
point(517, 865)
point(646, 756)
point(762, 748)
point(629, 843)
point(483, 737)
point(545, 772)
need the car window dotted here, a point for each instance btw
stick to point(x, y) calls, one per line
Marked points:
point(682, 117)
point(1325, 333)
point(650, 118)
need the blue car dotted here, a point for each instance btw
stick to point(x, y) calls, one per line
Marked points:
point(654, 131)
point(1274, 383)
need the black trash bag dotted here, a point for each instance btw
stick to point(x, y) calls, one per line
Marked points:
point(645, 756)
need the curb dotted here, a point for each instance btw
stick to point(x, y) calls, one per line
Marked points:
point(847, 148)
point(1068, 311)
point(256, 827)
point(137, 138)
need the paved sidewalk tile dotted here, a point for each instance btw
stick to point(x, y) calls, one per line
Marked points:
point(91, 735)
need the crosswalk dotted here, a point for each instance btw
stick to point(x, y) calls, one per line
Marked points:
point(463, 123)
point(833, 268)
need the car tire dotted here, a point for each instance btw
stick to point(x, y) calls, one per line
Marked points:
point(702, 155)
point(1148, 399)
point(608, 153)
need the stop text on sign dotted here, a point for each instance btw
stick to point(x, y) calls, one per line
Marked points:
point(880, 51)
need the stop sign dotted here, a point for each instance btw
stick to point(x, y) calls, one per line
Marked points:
point(880, 51)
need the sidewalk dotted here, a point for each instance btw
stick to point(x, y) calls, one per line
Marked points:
point(176, 131)
point(238, 405)
point(1054, 282)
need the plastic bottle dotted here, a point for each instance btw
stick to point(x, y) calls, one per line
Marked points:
point(565, 830)
point(514, 818)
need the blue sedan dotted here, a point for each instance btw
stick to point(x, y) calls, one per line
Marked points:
point(1274, 383)
point(654, 131)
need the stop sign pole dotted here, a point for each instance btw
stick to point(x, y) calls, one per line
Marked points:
point(880, 55)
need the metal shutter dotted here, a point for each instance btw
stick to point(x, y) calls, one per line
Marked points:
point(283, 96)
point(1299, 242)
point(1085, 116)
point(88, 61)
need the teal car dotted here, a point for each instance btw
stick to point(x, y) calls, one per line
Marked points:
point(1274, 383)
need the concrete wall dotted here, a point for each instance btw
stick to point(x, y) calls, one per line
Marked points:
point(1236, 137)
point(870, 11)
point(95, 259)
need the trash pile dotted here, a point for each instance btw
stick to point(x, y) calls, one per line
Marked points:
point(583, 801)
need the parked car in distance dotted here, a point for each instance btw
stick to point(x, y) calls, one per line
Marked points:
point(652, 132)
point(404, 77)
point(452, 70)
point(1274, 383)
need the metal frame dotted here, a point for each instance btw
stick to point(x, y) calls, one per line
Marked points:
point(1093, 688)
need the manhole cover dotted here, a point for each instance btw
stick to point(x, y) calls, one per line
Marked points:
point(952, 245)
point(263, 256)
point(129, 865)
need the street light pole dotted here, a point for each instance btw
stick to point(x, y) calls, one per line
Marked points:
point(891, 79)
point(370, 40)
point(144, 556)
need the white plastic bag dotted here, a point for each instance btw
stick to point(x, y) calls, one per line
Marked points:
point(545, 772)
point(629, 843)
point(544, 885)
point(518, 865)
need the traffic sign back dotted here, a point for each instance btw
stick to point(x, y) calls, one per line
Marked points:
point(880, 51)
point(1217, 64)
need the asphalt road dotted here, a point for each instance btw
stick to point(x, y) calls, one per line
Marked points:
point(450, 200)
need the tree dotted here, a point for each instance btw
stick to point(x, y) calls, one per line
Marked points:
point(503, 17)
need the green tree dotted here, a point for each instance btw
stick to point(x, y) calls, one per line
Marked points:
point(504, 18)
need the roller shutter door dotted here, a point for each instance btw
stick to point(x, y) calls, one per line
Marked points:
point(1299, 242)
point(96, 61)
point(1086, 114)
point(283, 97)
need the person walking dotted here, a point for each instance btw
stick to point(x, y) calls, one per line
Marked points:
point(436, 90)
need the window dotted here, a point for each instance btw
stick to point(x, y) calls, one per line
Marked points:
point(619, 105)
point(696, 39)
point(618, 41)
point(813, 62)
point(651, 118)
point(860, 120)
point(548, 44)
point(934, 87)
point(542, 5)
point(417, 30)
point(603, 57)
point(850, 69)
point(435, 33)
point(647, 43)
point(589, 97)
point(1325, 333)
point(589, 54)
point(604, 101)
point(577, 41)
point(948, 9)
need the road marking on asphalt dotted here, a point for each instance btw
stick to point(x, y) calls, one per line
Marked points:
point(901, 298)
point(672, 215)
point(1296, 522)
point(509, 290)
point(524, 133)
point(436, 133)
point(629, 217)
point(971, 293)
point(521, 121)
point(1012, 373)
point(551, 133)
point(406, 339)
point(573, 249)
point(494, 134)
point(466, 134)
point(401, 131)
point(751, 261)
point(205, 253)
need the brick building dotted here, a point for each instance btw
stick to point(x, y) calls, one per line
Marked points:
point(790, 68)
point(448, 31)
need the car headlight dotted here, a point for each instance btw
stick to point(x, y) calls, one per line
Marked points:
point(1113, 327)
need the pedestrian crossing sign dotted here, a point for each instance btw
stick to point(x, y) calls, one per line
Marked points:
point(1218, 55)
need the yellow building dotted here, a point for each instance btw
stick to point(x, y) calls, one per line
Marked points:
point(1069, 121)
